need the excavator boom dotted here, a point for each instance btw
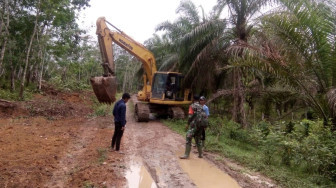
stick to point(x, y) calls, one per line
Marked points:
point(105, 87)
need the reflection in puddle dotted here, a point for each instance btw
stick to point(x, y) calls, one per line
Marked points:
point(138, 177)
point(204, 174)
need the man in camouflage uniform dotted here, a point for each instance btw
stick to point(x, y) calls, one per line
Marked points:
point(193, 129)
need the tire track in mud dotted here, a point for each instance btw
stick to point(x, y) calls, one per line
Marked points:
point(157, 146)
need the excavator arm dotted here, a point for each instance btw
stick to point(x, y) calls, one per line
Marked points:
point(105, 87)
point(107, 37)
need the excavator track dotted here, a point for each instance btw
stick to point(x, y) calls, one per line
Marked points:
point(141, 112)
point(176, 112)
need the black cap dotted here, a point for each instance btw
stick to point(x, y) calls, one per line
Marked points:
point(202, 98)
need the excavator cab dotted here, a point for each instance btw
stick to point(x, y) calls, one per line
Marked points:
point(167, 86)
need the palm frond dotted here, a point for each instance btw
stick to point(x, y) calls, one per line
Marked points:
point(169, 63)
point(313, 24)
point(188, 10)
point(331, 98)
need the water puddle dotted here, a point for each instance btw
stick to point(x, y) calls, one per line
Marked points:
point(138, 177)
point(204, 174)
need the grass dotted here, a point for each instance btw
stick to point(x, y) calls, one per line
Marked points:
point(101, 155)
point(100, 109)
point(88, 184)
point(14, 96)
point(252, 157)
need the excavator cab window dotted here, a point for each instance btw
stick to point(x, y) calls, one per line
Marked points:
point(159, 85)
point(167, 86)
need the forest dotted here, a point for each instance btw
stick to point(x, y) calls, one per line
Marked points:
point(266, 67)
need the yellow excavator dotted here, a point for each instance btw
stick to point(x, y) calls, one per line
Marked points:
point(162, 92)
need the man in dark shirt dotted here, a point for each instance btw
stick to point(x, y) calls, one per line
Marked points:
point(119, 113)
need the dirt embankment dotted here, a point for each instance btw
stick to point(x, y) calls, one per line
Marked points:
point(54, 141)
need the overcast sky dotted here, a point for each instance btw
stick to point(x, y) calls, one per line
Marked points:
point(137, 18)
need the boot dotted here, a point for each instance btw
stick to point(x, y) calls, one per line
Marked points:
point(186, 153)
point(199, 148)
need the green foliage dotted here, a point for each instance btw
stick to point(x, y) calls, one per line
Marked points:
point(54, 44)
point(264, 128)
point(216, 127)
point(7, 94)
point(69, 84)
point(101, 155)
point(88, 184)
point(102, 109)
point(177, 125)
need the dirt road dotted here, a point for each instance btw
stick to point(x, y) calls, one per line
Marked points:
point(159, 148)
point(54, 141)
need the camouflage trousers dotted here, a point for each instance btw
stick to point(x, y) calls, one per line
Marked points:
point(196, 134)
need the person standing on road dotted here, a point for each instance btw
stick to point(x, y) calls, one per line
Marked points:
point(206, 110)
point(119, 113)
point(193, 129)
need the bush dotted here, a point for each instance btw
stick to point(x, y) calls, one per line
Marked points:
point(319, 151)
point(14, 96)
point(102, 110)
point(216, 127)
point(69, 84)
point(264, 128)
point(270, 147)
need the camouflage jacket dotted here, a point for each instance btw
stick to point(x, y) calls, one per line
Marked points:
point(197, 115)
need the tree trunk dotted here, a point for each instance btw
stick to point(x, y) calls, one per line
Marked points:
point(40, 74)
point(28, 52)
point(2, 55)
point(125, 80)
point(18, 75)
point(4, 44)
point(334, 74)
point(64, 74)
point(28, 75)
point(4, 5)
point(12, 77)
point(79, 74)
point(239, 115)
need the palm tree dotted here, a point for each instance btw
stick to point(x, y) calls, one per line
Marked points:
point(240, 31)
point(297, 46)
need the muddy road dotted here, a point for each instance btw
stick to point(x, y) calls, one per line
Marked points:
point(54, 141)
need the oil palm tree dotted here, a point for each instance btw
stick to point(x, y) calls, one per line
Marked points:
point(297, 46)
point(193, 41)
point(238, 33)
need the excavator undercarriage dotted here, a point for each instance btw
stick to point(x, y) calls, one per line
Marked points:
point(143, 110)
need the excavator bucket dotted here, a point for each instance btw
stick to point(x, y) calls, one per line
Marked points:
point(105, 88)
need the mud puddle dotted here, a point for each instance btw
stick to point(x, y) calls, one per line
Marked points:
point(204, 174)
point(137, 175)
